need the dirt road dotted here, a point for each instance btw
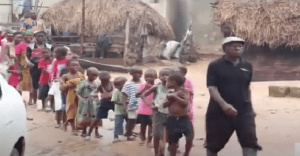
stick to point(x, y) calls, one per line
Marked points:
point(277, 126)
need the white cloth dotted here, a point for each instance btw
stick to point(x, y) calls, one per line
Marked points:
point(55, 91)
point(170, 49)
point(132, 114)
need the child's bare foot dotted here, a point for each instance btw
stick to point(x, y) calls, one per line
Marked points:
point(97, 135)
point(87, 138)
point(142, 143)
point(116, 140)
point(74, 132)
point(150, 145)
point(58, 126)
point(130, 139)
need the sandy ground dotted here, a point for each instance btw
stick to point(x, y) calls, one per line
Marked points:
point(277, 126)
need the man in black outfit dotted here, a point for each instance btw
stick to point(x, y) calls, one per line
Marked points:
point(230, 107)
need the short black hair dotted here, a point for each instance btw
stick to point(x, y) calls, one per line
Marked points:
point(18, 33)
point(178, 78)
point(135, 69)
point(119, 80)
point(72, 60)
point(182, 69)
point(62, 51)
point(104, 74)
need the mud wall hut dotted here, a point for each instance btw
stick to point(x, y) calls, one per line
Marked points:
point(110, 16)
point(271, 28)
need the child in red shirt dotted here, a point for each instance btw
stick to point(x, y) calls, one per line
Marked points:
point(45, 76)
point(15, 76)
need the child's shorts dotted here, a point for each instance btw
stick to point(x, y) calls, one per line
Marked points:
point(43, 92)
point(103, 107)
point(178, 126)
point(159, 121)
point(131, 114)
point(144, 119)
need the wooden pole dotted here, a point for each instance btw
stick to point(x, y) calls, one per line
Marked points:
point(82, 27)
point(126, 50)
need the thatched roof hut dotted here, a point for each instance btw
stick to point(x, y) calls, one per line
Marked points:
point(107, 16)
point(271, 22)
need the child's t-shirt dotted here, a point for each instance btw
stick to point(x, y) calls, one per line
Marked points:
point(144, 109)
point(130, 89)
point(58, 66)
point(117, 96)
point(161, 98)
point(55, 91)
point(45, 76)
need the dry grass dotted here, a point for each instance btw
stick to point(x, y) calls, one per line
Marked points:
point(107, 16)
point(272, 22)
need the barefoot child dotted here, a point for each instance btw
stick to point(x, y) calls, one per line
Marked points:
point(145, 111)
point(120, 116)
point(160, 114)
point(88, 100)
point(105, 104)
point(58, 64)
point(69, 84)
point(178, 122)
point(129, 91)
point(45, 77)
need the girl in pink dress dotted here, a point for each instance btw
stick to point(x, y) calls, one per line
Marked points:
point(144, 110)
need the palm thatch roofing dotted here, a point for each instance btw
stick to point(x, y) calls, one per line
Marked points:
point(107, 16)
point(272, 22)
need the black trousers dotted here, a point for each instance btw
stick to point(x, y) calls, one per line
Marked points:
point(220, 129)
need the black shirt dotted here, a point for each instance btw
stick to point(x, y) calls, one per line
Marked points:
point(233, 84)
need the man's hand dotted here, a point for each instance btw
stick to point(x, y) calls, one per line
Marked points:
point(154, 108)
point(229, 110)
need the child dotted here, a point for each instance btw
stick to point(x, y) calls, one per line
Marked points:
point(188, 85)
point(145, 111)
point(69, 84)
point(88, 100)
point(15, 76)
point(59, 63)
point(178, 122)
point(160, 114)
point(129, 91)
point(45, 77)
point(56, 94)
point(105, 104)
point(120, 116)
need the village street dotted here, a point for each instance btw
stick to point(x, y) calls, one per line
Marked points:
point(277, 126)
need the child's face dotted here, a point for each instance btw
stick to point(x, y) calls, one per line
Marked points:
point(136, 75)
point(119, 85)
point(46, 55)
point(171, 84)
point(163, 76)
point(105, 80)
point(69, 55)
point(92, 77)
point(18, 39)
point(74, 66)
point(150, 78)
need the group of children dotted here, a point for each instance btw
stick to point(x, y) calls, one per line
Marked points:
point(163, 109)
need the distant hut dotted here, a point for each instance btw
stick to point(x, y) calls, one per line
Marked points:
point(271, 28)
point(110, 16)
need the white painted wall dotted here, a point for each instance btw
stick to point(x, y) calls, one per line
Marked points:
point(5, 11)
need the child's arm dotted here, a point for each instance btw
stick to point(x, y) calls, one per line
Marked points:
point(124, 102)
point(115, 99)
point(147, 93)
point(141, 91)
